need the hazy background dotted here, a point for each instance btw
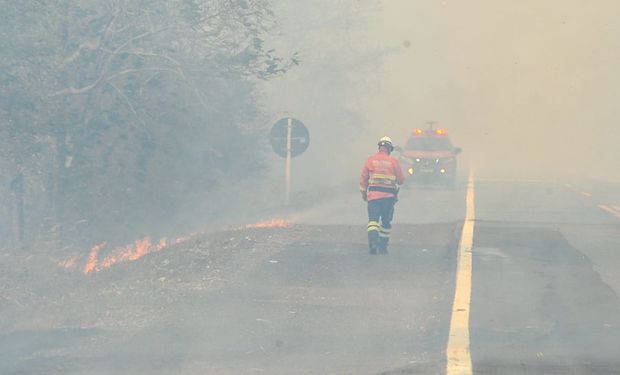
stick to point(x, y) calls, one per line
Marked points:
point(528, 89)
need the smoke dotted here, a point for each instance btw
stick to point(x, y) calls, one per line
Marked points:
point(528, 89)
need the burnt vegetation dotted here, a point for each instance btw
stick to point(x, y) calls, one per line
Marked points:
point(117, 115)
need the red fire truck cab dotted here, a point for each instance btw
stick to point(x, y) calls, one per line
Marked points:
point(429, 157)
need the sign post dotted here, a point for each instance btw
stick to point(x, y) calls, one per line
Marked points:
point(289, 138)
point(289, 129)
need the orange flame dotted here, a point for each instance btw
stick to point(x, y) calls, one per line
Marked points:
point(274, 223)
point(91, 263)
point(127, 253)
point(132, 252)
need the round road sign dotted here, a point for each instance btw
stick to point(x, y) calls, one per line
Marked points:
point(300, 138)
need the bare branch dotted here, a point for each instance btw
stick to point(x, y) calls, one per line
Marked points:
point(88, 45)
point(131, 107)
point(78, 91)
point(150, 54)
point(135, 38)
point(92, 45)
point(85, 89)
point(129, 71)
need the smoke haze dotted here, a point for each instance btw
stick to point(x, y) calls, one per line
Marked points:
point(528, 89)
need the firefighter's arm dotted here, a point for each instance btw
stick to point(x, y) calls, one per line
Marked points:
point(364, 182)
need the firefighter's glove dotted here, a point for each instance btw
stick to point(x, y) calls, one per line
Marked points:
point(364, 195)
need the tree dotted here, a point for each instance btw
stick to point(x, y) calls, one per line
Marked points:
point(117, 113)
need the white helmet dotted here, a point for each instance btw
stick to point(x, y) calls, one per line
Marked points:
point(387, 142)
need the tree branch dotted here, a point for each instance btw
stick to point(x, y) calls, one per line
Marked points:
point(150, 54)
point(92, 45)
point(128, 71)
point(85, 89)
point(78, 91)
point(131, 107)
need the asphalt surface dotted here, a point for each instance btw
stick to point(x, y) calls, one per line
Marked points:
point(545, 296)
point(323, 306)
point(545, 288)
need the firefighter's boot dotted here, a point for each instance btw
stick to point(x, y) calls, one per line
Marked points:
point(373, 237)
point(384, 239)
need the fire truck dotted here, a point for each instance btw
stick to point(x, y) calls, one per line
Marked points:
point(429, 157)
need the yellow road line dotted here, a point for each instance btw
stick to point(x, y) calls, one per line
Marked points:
point(457, 352)
point(585, 193)
point(609, 210)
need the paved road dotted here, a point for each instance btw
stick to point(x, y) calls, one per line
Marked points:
point(323, 306)
point(545, 290)
point(545, 295)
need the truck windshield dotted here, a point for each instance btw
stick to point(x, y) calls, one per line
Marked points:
point(429, 144)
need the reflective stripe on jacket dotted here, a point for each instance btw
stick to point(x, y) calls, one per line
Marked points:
point(381, 176)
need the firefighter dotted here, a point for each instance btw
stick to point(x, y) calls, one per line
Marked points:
point(379, 183)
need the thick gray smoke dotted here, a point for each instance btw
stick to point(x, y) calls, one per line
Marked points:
point(527, 89)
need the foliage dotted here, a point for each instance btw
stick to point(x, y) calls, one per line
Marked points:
point(117, 113)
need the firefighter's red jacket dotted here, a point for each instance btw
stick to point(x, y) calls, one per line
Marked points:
point(381, 176)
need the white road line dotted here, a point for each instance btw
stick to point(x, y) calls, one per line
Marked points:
point(513, 180)
point(457, 352)
point(609, 210)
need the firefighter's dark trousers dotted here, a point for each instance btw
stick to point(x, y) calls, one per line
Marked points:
point(380, 213)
